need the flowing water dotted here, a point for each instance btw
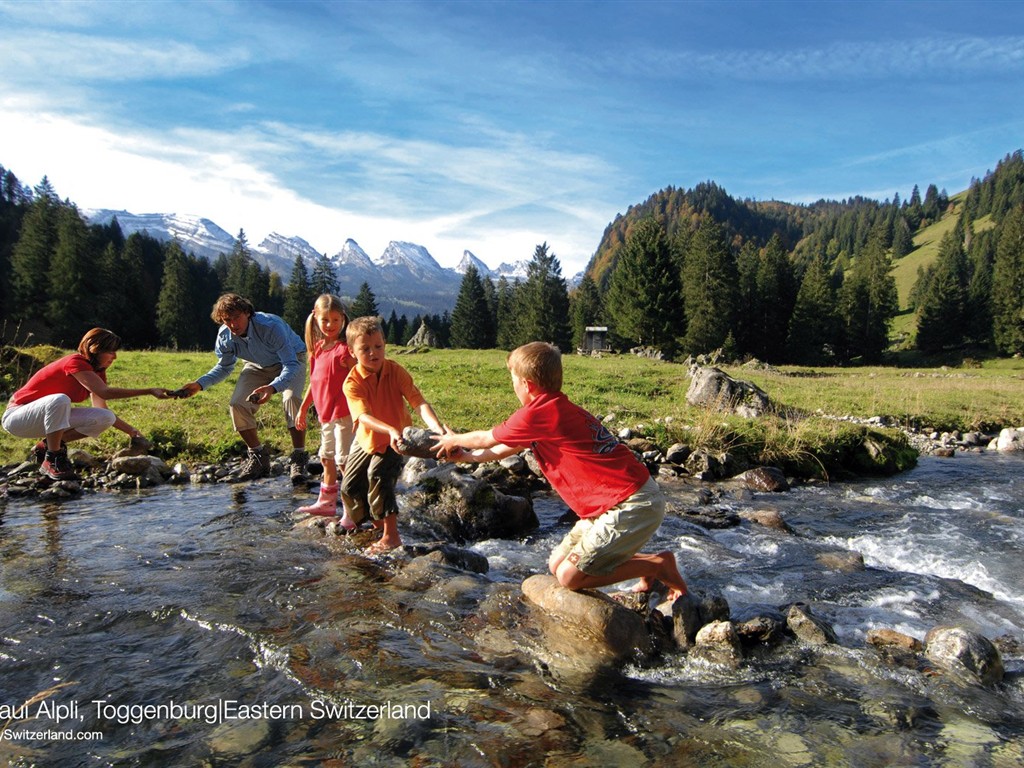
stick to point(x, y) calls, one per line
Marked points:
point(198, 626)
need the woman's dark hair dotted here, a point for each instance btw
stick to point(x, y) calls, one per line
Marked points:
point(96, 341)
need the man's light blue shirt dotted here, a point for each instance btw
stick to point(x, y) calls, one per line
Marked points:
point(268, 341)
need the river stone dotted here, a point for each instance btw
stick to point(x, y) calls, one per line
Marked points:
point(691, 612)
point(584, 634)
point(808, 627)
point(761, 631)
point(446, 554)
point(237, 738)
point(964, 653)
point(718, 643)
point(770, 479)
point(842, 560)
point(890, 638)
point(82, 459)
point(418, 442)
point(678, 453)
point(141, 465)
point(769, 518)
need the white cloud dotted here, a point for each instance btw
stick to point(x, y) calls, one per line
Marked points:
point(213, 175)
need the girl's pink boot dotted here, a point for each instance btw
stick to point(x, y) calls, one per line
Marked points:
point(326, 503)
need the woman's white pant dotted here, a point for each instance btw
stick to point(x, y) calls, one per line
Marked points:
point(54, 413)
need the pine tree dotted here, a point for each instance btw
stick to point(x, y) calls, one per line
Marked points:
point(30, 259)
point(709, 280)
point(814, 325)
point(365, 303)
point(508, 332)
point(71, 309)
point(981, 256)
point(174, 310)
point(298, 297)
point(1008, 285)
point(586, 309)
point(902, 241)
point(643, 294)
point(471, 319)
point(942, 314)
point(773, 302)
point(324, 279)
point(869, 302)
point(544, 301)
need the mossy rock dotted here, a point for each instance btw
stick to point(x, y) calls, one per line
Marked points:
point(880, 455)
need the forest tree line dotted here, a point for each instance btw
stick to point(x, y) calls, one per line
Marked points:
point(685, 272)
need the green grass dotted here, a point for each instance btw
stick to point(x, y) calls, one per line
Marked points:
point(472, 390)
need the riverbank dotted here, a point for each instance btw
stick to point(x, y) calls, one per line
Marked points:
point(827, 410)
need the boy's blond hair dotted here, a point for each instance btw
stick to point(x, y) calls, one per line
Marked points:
point(363, 326)
point(538, 362)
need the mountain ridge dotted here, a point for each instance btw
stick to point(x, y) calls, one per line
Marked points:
point(404, 278)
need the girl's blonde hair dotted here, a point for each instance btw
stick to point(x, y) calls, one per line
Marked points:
point(325, 302)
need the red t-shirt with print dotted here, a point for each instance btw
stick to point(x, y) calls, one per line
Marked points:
point(584, 462)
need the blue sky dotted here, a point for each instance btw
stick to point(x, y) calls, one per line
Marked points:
point(495, 126)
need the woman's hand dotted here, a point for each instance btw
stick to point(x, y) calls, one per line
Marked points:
point(160, 393)
point(300, 420)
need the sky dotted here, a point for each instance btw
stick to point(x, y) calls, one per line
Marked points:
point(496, 126)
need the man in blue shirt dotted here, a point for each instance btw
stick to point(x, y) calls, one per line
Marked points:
point(275, 361)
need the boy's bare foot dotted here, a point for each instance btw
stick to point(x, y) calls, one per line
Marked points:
point(668, 573)
point(645, 585)
point(382, 547)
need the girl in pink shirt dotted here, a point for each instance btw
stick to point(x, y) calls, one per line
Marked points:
point(329, 364)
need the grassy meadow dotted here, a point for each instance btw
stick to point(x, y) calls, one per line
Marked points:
point(471, 389)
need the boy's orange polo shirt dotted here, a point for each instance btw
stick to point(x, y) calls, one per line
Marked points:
point(384, 397)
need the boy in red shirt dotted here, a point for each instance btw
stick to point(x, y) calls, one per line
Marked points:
point(619, 504)
point(378, 390)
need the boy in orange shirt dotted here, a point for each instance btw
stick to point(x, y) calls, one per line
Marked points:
point(375, 389)
point(619, 504)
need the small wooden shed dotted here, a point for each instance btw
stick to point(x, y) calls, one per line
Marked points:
point(595, 339)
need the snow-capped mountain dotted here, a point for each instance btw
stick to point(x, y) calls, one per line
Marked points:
point(405, 277)
point(196, 235)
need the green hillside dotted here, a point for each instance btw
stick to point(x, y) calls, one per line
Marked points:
point(926, 249)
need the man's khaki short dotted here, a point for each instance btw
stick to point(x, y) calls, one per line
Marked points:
point(599, 545)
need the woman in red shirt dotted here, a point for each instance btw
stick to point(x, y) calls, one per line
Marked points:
point(42, 408)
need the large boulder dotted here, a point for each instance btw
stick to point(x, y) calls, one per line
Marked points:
point(714, 389)
point(1010, 440)
point(965, 654)
point(458, 507)
point(583, 636)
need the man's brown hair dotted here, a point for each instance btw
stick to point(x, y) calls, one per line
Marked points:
point(230, 304)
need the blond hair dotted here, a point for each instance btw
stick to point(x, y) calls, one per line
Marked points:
point(363, 326)
point(98, 340)
point(538, 362)
point(325, 303)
